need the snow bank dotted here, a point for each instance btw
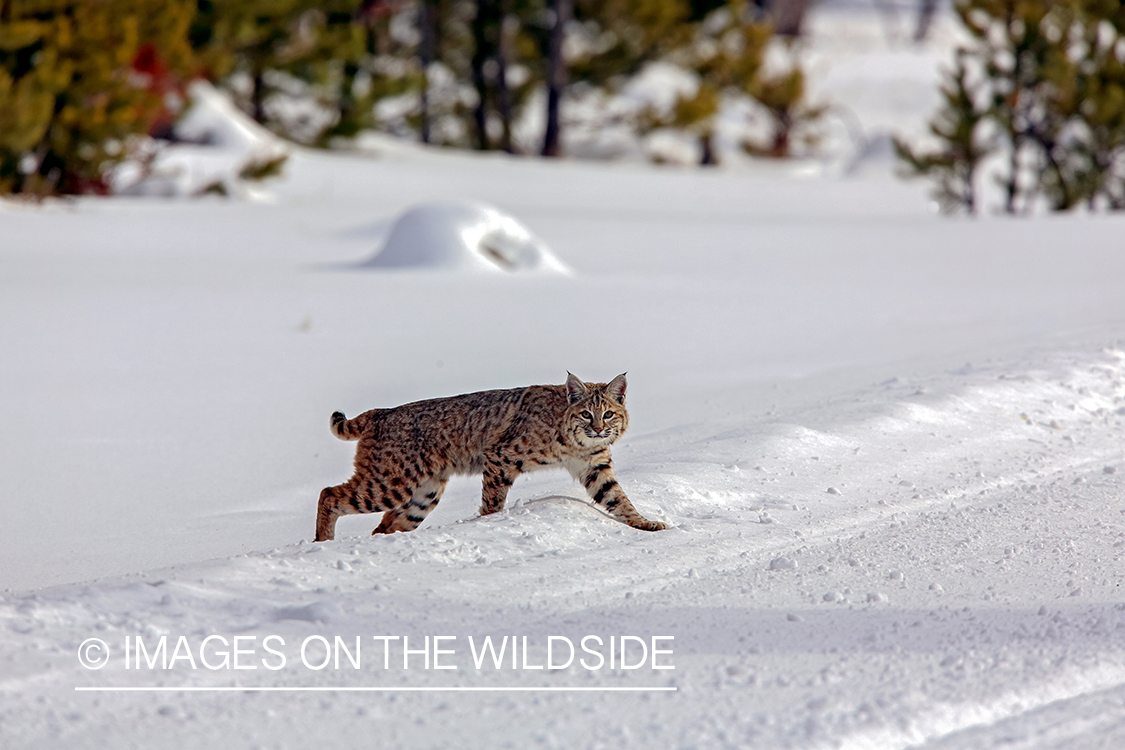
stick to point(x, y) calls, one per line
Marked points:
point(873, 544)
point(218, 143)
point(213, 119)
point(465, 237)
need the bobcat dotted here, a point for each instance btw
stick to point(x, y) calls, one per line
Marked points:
point(407, 454)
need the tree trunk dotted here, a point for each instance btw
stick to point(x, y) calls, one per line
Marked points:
point(503, 95)
point(480, 54)
point(707, 156)
point(783, 127)
point(257, 98)
point(926, 12)
point(426, 57)
point(1011, 184)
point(556, 77)
point(788, 15)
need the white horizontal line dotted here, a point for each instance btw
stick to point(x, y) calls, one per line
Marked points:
point(298, 689)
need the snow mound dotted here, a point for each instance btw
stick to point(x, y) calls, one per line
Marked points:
point(213, 119)
point(464, 237)
point(218, 147)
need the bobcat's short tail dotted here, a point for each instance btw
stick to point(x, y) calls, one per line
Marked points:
point(348, 429)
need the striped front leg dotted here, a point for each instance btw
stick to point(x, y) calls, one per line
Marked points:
point(607, 494)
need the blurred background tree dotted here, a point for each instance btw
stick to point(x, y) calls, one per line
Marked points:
point(1045, 113)
point(79, 82)
point(310, 71)
point(731, 51)
point(962, 145)
point(82, 82)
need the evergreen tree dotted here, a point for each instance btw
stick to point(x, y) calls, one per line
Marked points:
point(962, 147)
point(72, 94)
point(249, 37)
point(1054, 80)
point(336, 57)
point(791, 117)
point(1100, 105)
point(728, 53)
point(618, 37)
point(352, 62)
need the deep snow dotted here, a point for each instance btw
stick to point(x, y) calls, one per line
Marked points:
point(464, 237)
point(889, 445)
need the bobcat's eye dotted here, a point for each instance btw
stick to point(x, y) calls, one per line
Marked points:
point(586, 415)
point(607, 415)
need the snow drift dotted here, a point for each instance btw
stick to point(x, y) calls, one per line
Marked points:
point(464, 237)
point(217, 142)
point(875, 544)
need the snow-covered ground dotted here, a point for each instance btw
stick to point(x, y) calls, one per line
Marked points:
point(890, 448)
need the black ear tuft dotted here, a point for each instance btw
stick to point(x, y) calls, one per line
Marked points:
point(616, 389)
point(575, 389)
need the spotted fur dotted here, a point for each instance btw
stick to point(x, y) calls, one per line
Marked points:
point(407, 454)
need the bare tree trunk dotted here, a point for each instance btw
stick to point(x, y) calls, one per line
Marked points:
point(788, 15)
point(426, 21)
point(707, 156)
point(257, 97)
point(503, 95)
point(480, 54)
point(926, 12)
point(1011, 184)
point(556, 76)
point(782, 128)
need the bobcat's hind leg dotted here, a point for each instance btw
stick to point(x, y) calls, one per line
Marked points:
point(413, 512)
point(351, 497)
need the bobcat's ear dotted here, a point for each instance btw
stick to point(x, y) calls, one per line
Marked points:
point(616, 389)
point(575, 389)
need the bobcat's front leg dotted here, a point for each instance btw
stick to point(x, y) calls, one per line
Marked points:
point(498, 477)
point(602, 486)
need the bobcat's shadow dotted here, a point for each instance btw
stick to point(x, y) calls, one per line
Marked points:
point(549, 499)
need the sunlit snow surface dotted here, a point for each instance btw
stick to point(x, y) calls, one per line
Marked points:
point(889, 447)
point(464, 237)
point(219, 140)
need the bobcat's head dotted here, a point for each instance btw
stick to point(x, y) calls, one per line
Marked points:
point(596, 415)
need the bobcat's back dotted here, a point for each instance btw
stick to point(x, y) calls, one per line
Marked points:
point(453, 433)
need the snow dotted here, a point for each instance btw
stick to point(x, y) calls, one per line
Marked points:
point(219, 141)
point(888, 445)
point(464, 237)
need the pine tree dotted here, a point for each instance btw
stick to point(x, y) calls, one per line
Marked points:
point(1100, 105)
point(251, 37)
point(1053, 75)
point(72, 97)
point(351, 62)
point(791, 116)
point(31, 77)
point(620, 36)
point(728, 53)
point(962, 148)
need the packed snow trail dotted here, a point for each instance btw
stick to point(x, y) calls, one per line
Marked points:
point(937, 596)
point(890, 447)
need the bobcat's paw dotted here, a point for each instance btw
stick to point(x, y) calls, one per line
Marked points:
point(651, 526)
